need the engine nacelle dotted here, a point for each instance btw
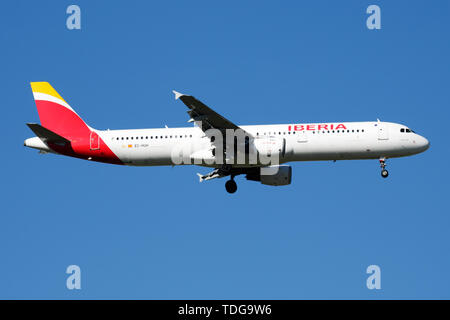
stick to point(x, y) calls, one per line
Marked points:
point(272, 175)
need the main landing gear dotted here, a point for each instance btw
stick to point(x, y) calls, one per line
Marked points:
point(231, 185)
point(384, 172)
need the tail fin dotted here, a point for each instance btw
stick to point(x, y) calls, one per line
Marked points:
point(55, 113)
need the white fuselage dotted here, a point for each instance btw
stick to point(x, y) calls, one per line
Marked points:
point(304, 142)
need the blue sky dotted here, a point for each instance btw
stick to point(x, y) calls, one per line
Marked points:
point(156, 233)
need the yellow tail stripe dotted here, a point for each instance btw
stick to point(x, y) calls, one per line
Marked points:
point(45, 87)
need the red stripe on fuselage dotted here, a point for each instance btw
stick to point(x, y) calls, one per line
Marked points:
point(80, 148)
point(68, 124)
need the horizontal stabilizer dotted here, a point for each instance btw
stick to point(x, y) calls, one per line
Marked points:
point(46, 135)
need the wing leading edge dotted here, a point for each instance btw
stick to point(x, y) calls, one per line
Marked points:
point(204, 116)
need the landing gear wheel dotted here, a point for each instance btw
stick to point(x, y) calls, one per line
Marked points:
point(384, 172)
point(231, 186)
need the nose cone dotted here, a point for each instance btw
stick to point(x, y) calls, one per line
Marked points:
point(423, 143)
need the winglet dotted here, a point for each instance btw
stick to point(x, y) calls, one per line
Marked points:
point(177, 94)
point(200, 176)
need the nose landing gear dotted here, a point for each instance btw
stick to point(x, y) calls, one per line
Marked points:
point(384, 172)
point(231, 185)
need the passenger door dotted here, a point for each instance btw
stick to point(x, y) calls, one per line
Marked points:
point(302, 136)
point(383, 133)
point(94, 141)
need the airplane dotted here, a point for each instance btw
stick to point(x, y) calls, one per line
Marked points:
point(257, 151)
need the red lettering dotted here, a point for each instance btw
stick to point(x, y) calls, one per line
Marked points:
point(301, 127)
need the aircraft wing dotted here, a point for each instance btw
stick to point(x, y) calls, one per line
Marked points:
point(204, 116)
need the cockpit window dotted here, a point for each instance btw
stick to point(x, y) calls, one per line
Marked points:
point(402, 130)
point(407, 130)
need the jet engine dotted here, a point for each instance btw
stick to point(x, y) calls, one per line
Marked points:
point(272, 175)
